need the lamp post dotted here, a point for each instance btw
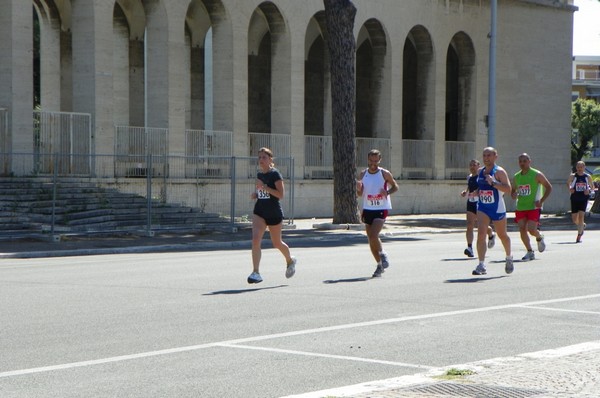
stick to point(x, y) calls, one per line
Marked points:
point(492, 77)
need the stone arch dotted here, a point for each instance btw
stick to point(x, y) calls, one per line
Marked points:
point(204, 31)
point(372, 81)
point(269, 75)
point(460, 89)
point(418, 86)
point(52, 67)
point(317, 79)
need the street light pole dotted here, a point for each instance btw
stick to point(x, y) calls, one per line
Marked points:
point(492, 77)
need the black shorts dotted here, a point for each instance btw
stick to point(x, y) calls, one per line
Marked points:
point(578, 205)
point(472, 207)
point(369, 215)
point(271, 220)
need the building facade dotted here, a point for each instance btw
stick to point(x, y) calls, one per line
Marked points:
point(254, 73)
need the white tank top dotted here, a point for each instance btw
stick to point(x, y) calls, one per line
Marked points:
point(373, 199)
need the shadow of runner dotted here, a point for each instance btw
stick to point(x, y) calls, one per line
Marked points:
point(240, 291)
point(474, 280)
point(350, 280)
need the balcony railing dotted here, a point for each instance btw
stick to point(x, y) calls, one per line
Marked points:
point(417, 161)
point(458, 155)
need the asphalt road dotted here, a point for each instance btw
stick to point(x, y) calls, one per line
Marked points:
point(188, 324)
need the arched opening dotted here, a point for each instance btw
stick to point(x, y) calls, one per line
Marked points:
point(269, 81)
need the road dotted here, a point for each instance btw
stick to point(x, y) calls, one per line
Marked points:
point(188, 324)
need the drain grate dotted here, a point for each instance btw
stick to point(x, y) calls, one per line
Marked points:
point(470, 391)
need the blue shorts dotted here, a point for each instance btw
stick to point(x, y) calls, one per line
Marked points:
point(492, 216)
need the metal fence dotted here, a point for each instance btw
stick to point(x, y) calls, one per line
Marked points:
point(207, 152)
point(63, 140)
point(318, 154)
point(134, 144)
point(155, 202)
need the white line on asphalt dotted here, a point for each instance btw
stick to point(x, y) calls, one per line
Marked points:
point(374, 386)
point(559, 309)
point(286, 334)
point(314, 354)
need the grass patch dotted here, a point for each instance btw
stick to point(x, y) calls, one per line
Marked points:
point(455, 373)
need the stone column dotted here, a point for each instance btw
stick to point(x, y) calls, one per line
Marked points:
point(16, 71)
point(92, 68)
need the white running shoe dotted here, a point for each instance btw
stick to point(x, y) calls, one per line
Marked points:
point(492, 241)
point(385, 262)
point(291, 268)
point(509, 267)
point(480, 270)
point(541, 244)
point(529, 256)
point(255, 278)
point(469, 252)
point(378, 271)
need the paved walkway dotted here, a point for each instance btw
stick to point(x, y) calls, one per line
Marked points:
point(567, 372)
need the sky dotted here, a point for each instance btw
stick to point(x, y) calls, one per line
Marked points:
point(586, 28)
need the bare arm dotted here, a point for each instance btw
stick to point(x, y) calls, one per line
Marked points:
point(541, 178)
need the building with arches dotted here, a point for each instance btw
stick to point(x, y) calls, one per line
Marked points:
point(256, 73)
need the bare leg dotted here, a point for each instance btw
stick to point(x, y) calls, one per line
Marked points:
point(483, 222)
point(503, 235)
point(275, 231)
point(523, 227)
point(471, 221)
point(259, 227)
point(373, 231)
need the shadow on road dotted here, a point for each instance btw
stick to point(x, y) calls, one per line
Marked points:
point(350, 280)
point(474, 280)
point(240, 291)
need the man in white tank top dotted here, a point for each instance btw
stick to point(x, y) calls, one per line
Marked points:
point(375, 184)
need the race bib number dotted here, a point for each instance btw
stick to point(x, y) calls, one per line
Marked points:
point(262, 194)
point(524, 190)
point(375, 200)
point(486, 197)
point(581, 186)
point(473, 197)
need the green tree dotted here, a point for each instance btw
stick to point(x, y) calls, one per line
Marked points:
point(339, 16)
point(585, 118)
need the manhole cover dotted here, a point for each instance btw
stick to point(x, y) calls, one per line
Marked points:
point(471, 391)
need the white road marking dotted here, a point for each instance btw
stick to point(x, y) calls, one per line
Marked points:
point(559, 310)
point(426, 378)
point(286, 334)
point(315, 354)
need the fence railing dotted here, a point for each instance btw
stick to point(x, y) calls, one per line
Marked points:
point(205, 153)
point(280, 144)
point(418, 159)
point(458, 155)
point(60, 136)
point(152, 202)
point(318, 154)
point(5, 148)
point(133, 144)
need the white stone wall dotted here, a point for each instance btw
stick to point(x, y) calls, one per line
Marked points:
point(533, 77)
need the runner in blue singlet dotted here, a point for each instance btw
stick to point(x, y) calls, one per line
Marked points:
point(493, 183)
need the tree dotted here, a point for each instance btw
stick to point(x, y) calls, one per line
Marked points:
point(585, 117)
point(339, 15)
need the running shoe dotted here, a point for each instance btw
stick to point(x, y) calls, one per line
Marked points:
point(578, 240)
point(508, 266)
point(378, 271)
point(541, 244)
point(529, 256)
point(255, 278)
point(469, 252)
point(384, 260)
point(492, 241)
point(480, 270)
point(291, 268)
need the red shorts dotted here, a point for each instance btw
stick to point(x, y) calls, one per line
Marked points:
point(529, 215)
